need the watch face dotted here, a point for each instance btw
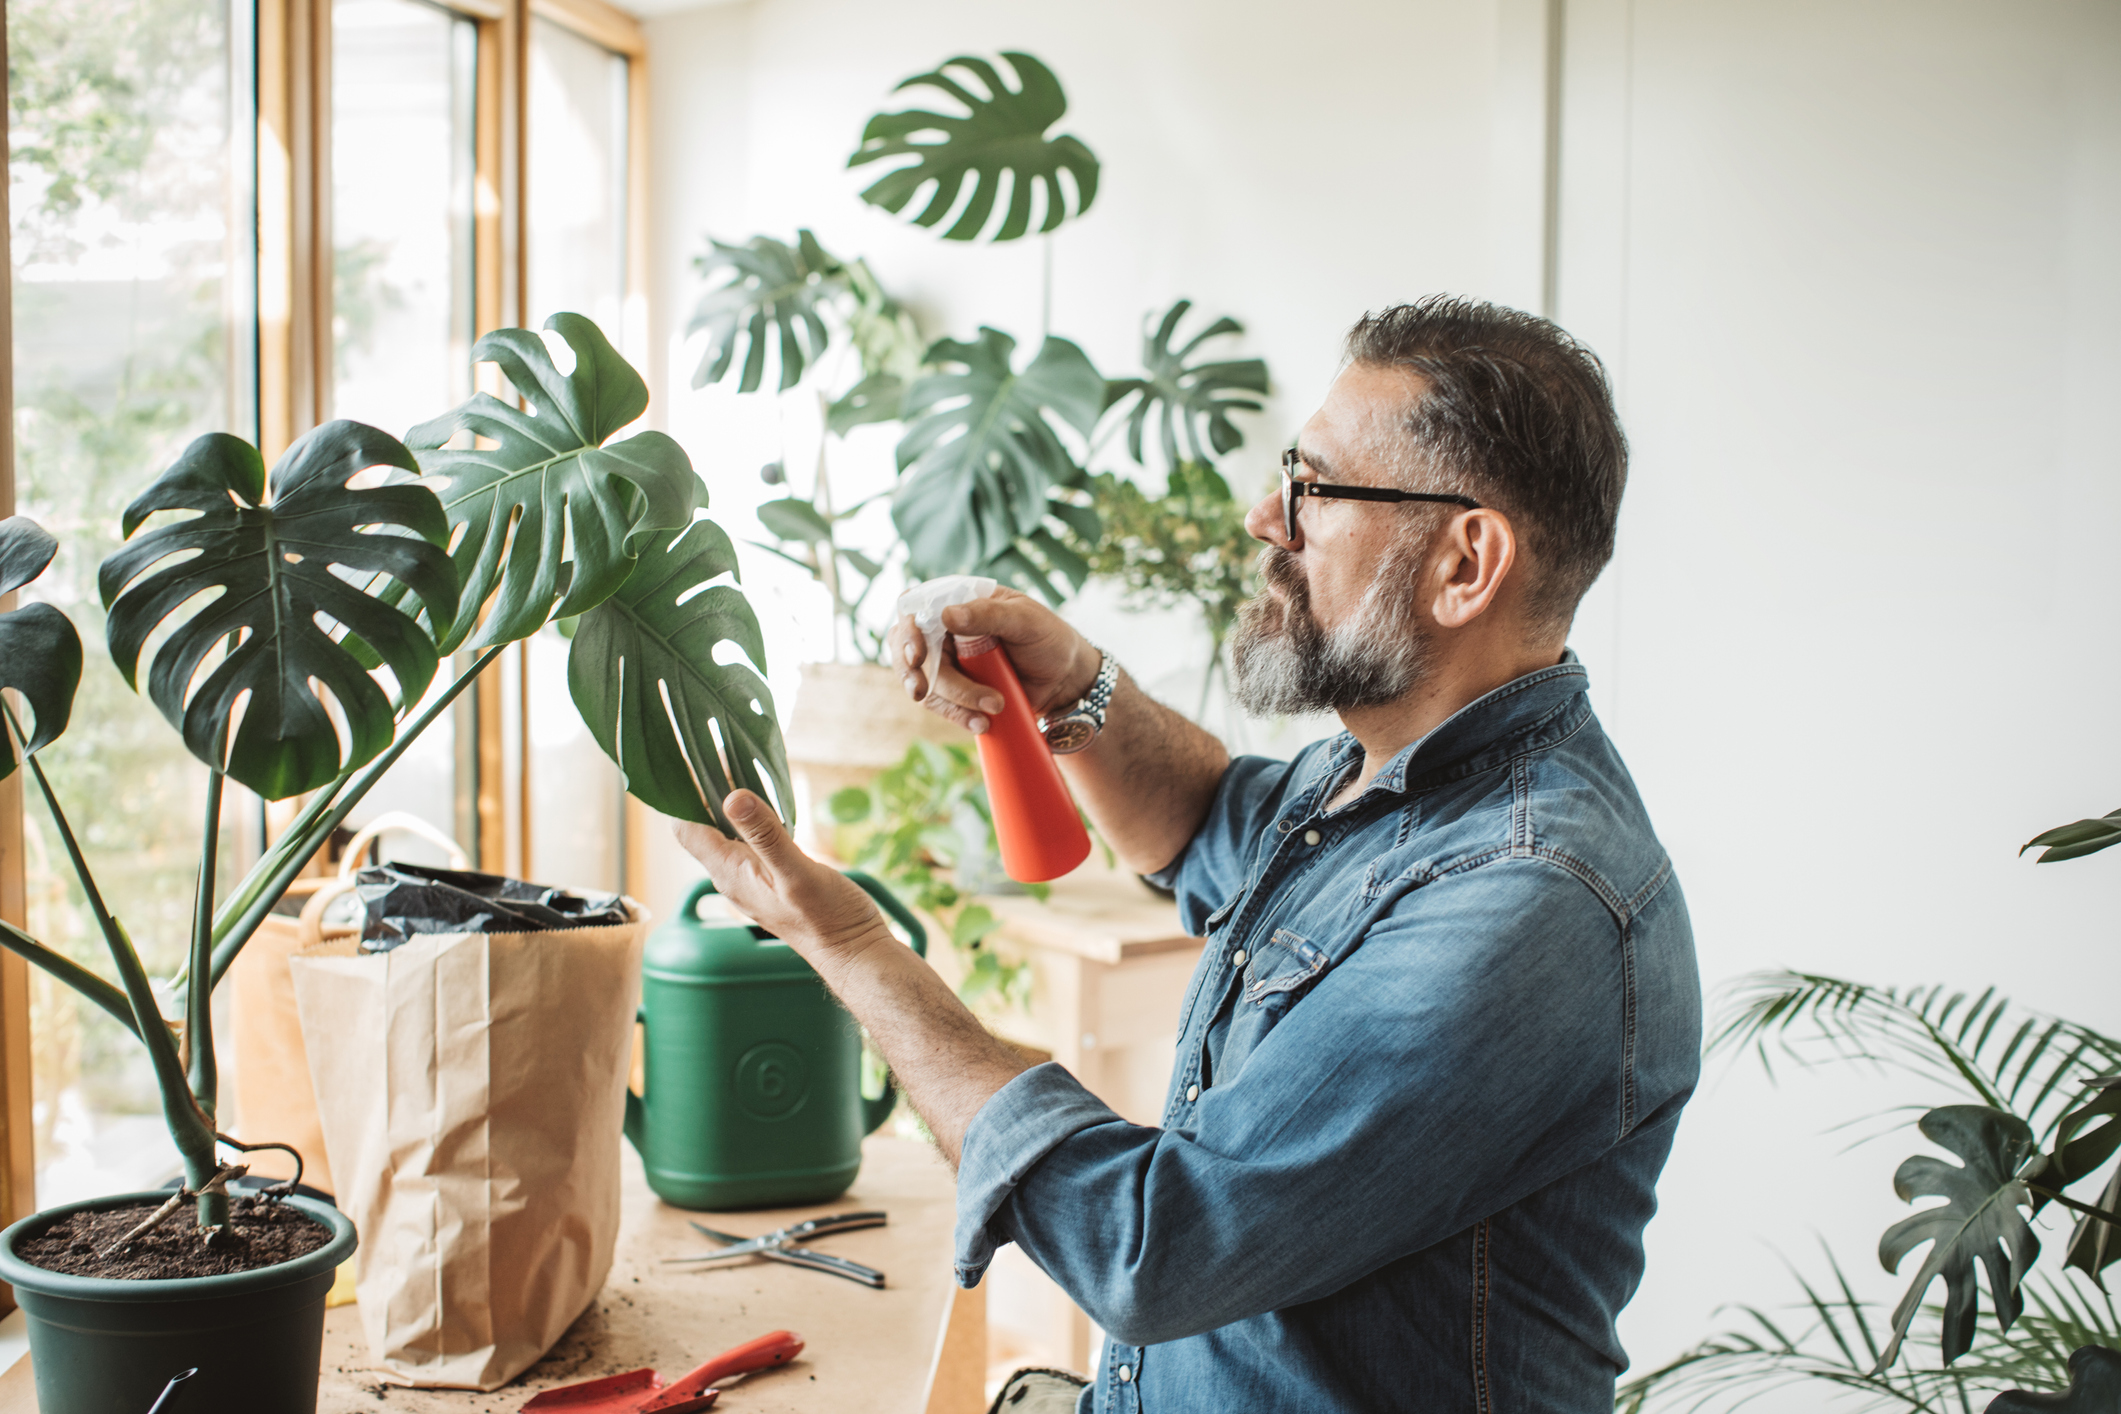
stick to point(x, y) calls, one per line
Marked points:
point(1069, 734)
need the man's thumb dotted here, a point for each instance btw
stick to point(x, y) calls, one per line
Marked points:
point(755, 821)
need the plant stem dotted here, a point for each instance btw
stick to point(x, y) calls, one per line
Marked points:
point(72, 973)
point(261, 875)
point(191, 1130)
point(2076, 1207)
point(198, 992)
point(270, 878)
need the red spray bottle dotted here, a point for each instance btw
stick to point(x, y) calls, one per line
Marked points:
point(1036, 824)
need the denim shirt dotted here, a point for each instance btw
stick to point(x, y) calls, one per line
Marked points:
point(1428, 1071)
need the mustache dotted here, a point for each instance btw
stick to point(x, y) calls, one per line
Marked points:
point(1278, 569)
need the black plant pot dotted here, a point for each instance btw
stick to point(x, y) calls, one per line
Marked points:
point(104, 1346)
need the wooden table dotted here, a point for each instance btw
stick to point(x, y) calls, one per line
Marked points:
point(916, 1347)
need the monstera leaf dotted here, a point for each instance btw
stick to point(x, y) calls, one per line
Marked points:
point(980, 454)
point(1043, 561)
point(684, 729)
point(1193, 399)
point(1979, 1220)
point(2094, 1388)
point(40, 654)
point(2081, 1147)
point(1002, 131)
point(771, 287)
point(877, 398)
point(286, 572)
point(552, 517)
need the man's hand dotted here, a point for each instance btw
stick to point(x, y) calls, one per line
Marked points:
point(941, 1056)
point(816, 910)
point(1055, 663)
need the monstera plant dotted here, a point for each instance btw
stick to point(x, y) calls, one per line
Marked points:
point(996, 451)
point(289, 624)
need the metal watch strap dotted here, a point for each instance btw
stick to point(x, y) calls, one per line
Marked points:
point(1076, 728)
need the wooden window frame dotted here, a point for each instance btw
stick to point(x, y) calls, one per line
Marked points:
point(294, 316)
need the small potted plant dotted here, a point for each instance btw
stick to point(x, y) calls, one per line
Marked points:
point(289, 626)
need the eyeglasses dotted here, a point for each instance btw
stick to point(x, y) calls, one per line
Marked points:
point(1293, 491)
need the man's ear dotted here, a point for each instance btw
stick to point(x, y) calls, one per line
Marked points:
point(1474, 554)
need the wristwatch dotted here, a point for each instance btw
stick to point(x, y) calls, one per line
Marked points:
point(1076, 728)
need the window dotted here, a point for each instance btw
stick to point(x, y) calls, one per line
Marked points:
point(131, 231)
point(572, 828)
point(404, 168)
point(253, 215)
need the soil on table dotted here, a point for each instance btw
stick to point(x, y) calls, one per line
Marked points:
point(259, 1234)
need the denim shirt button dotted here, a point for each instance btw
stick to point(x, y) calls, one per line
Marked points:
point(1237, 959)
point(1311, 837)
point(1126, 1373)
point(1192, 1093)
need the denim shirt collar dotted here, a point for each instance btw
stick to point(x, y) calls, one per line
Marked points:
point(1479, 735)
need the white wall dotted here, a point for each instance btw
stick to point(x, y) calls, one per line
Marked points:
point(1854, 269)
point(1854, 266)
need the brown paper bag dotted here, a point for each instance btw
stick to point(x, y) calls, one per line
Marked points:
point(472, 1090)
point(273, 1099)
point(270, 1081)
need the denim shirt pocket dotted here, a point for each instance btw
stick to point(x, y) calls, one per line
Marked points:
point(1285, 964)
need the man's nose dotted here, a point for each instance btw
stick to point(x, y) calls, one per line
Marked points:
point(1264, 522)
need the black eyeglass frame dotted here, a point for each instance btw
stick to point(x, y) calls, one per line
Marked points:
point(1294, 491)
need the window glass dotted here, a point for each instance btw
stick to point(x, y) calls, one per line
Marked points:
point(404, 167)
point(576, 255)
point(131, 215)
point(576, 189)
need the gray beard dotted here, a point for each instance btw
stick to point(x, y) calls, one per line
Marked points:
point(1283, 662)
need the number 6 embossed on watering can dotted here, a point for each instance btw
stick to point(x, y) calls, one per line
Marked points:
point(752, 1082)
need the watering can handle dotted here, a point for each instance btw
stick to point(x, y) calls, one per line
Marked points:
point(876, 1111)
point(888, 901)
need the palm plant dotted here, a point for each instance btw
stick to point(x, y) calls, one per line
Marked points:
point(2042, 1090)
point(291, 624)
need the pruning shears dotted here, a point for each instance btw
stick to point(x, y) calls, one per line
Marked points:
point(780, 1245)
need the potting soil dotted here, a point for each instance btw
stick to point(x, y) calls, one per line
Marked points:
point(260, 1234)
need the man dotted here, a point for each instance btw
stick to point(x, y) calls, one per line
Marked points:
point(1433, 1055)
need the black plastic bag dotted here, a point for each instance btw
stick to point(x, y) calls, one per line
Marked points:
point(403, 901)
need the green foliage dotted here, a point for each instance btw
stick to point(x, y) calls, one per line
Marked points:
point(2077, 839)
point(919, 826)
point(1835, 1339)
point(276, 601)
point(90, 84)
point(1001, 131)
point(772, 287)
point(653, 643)
point(2001, 1056)
point(981, 456)
point(274, 565)
point(1188, 546)
point(40, 653)
point(2094, 1388)
point(1978, 1221)
point(1194, 399)
point(552, 517)
point(2035, 1080)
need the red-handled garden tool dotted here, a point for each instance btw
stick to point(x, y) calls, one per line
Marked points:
point(643, 1391)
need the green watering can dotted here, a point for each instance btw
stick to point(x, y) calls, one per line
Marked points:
point(752, 1087)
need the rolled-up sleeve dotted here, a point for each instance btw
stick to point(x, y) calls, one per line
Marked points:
point(1020, 1124)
